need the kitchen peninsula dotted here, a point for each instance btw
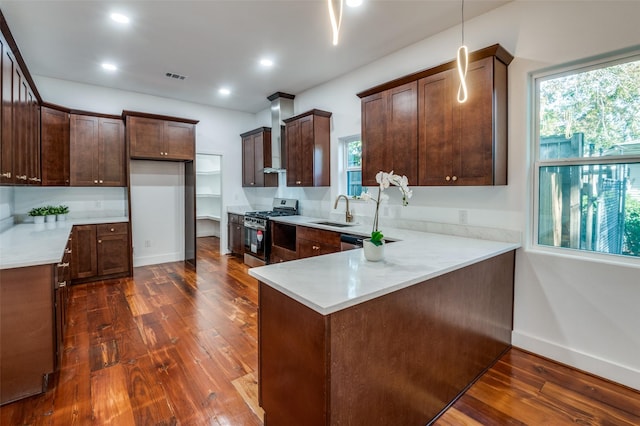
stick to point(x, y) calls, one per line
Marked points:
point(346, 341)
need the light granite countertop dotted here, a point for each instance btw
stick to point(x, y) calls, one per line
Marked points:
point(337, 281)
point(30, 244)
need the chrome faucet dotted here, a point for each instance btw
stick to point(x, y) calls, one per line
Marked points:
point(348, 217)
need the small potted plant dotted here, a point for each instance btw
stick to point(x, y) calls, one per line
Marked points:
point(38, 214)
point(62, 212)
point(50, 215)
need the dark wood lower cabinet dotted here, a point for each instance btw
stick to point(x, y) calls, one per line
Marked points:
point(85, 259)
point(235, 234)
point(113, 252)
point(27, 331)
point(100, 251)
point(399, 359)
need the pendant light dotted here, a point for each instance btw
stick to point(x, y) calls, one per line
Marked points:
point(335, 23)
point(463, 64)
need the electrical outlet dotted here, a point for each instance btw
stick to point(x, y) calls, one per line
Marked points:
point(147, 243)
point(463, 217)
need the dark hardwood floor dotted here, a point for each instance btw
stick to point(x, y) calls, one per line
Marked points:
point(171, 346)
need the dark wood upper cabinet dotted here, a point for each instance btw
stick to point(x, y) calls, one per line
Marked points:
point(475, 131)
point(457, 144)
point(97, 151)
point(154, 137)
point(390, 133)
point(308, 149)
point(7, 176)
point(20, 116)
point(256, 155)
point(54, 146)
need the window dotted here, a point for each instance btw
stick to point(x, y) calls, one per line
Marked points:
point(588, 157)
point(353, 165)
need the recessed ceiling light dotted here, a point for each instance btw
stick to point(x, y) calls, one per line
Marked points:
point(266, 62)
point(109, 67)
point(224, 91)
point(120, 18)
point(354, 3)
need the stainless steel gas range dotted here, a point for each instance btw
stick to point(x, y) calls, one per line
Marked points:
point(257, 230)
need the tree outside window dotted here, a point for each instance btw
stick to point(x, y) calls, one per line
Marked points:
point(588, 157)
point(353, 165)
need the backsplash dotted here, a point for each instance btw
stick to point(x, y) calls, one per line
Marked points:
point(82, 202)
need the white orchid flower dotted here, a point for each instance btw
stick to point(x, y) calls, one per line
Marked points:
point(385, 180)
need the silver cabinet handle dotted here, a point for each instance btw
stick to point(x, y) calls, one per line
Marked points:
point(6, 175)
point(62, 284)
point(455, 178)
point(101, 181)
point(99, 241)
point(95, 181)
point(67, 251)
point(298, 182)
point(23, 177)
point(63, 265)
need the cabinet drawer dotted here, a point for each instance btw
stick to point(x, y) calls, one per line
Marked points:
point(112, 229)
point(319, 235)
point(309, 248)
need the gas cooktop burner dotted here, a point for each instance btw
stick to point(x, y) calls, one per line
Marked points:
point(281, 207)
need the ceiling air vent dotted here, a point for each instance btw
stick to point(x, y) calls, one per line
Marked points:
point(175, 76)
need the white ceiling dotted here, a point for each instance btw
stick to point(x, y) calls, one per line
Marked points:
point(218, 43)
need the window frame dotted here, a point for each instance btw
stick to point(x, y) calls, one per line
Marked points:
point(345, 141)
point(535, 78)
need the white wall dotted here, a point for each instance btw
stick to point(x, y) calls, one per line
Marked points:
point(157, 212)
point(578, 311)
point(217, 133)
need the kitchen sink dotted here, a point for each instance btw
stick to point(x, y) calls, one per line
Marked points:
point(336, 224)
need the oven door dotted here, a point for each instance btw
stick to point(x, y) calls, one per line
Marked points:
point(255, 242)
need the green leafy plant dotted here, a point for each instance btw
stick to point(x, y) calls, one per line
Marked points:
point(632, 226)
point(58, 209)
point(50, 210)
point(38, 211)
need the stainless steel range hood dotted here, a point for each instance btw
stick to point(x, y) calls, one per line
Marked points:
point(281, 108)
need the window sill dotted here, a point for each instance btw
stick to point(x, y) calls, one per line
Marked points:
point(574, 254)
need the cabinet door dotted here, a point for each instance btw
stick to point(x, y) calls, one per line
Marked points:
point(294, 153)
point(390, 133)
point(146, 138)
point(33, 137)
point(180, 140)
point(20, 144)
point(306, 146)
point(55, 147)
point(84, 262)
point(436, 97)
point(111, 152)
point(113, 254)
point(473, 136)
point(7, 175)
point(83, 149)
point(235, 228)
point(248, 162)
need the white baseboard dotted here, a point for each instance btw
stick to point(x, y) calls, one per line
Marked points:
point(618, 373)
point(158, 258)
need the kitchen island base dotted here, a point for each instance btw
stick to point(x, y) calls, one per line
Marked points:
point(397, 359)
